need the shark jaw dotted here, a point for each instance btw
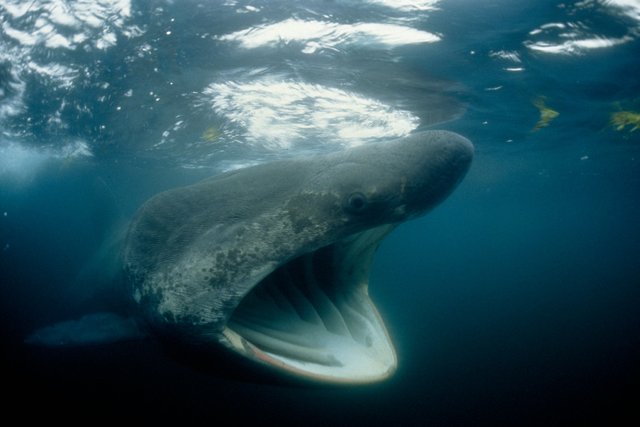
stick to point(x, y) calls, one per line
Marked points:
point(312, 317)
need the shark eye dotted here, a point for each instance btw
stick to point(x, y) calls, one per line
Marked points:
point(357, 203)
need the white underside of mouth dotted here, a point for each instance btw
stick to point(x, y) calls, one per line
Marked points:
point(313, 316)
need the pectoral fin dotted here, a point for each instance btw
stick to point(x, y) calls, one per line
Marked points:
point(95, 328)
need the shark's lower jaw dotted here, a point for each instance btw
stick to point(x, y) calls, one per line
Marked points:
point(312, 317)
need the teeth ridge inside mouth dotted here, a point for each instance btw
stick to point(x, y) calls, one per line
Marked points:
point(313, 316)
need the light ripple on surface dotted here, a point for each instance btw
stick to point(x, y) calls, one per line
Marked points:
point(277, 114)
point(64, 24)
point(328, 35)
point(408, 5)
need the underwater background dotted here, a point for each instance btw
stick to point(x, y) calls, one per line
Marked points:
point(515, 302)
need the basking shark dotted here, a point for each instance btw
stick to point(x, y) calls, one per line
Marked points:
point(271, 263)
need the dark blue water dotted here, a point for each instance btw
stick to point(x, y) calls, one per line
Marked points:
point(515, 302)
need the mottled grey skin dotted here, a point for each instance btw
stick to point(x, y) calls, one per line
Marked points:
point(193, 253)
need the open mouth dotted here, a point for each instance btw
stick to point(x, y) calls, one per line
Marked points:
point(313, 317)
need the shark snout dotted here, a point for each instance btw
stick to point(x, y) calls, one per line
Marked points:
point(441, 159)
point(457, 155)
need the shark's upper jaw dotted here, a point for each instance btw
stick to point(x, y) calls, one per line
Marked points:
point(313, 319)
